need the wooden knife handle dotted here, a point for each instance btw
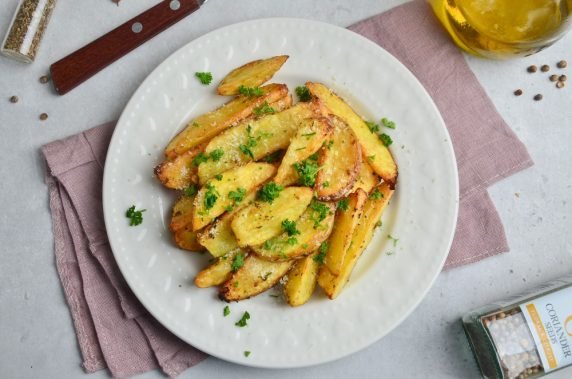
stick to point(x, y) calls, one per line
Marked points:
point(82, 64)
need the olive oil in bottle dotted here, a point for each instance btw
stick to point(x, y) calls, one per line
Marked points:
point(504, 28)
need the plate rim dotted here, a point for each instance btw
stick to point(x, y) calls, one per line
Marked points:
point(448, 144)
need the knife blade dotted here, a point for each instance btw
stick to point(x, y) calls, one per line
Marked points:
point(79, 66)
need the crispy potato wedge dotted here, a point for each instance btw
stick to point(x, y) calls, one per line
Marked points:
point(308, 139)
point(218, 238)
point(344, 225)
point(205, 127)
point(383, 163)
point(261, 221)
point(301, 281)
point(367, 179)
point(255, 276)
point(312, 234)
point(180, 172)
point(218, 272)
point(340, 163)
point(247, 178)
point(261, 137)
point(252, 74)
point(186, 239)
point(182, 213)
point(373, 209)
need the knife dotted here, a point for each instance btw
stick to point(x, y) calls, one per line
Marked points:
point(79, 66)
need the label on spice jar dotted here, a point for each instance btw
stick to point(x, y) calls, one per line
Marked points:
point(549, 319)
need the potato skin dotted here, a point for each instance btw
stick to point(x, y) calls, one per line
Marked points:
point(251, 74)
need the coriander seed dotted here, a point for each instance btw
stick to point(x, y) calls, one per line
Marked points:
point(27, 29)
point(560, 84)
point(518, 92)
point(562, 64)
point(44, 116)
point(553, 78)
point(44, 79)
point(532, 69)
point(562, 78)
point(537, 97)
point(14, 99)
point(545, 68)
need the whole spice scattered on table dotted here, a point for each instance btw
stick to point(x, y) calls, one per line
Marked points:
point(27, 29)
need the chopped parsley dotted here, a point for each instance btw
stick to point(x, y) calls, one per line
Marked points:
point(226, 311)
point(394, 240)
point(371, 158)
point(270, 192)
point(211, 196)
point(135, 217)
point(385, 139)
point(343, 205)
point(246, 353)
point(243, 320)
point(388, 123)
point(320, 212)
point(291, 241)
point(372, 126)
point(250, 143)
point(378, 224)
point(290, 227)
point(204, 77)
point(238, 195)
point(216, 155)
point(303, 93)
point(326, 184)
point(218, 177)
point(200, 158)
point(250, 91)
point(329, 144)
point(237, 261)
point(264, 109)
point(376, 195)
point(321, 256)
point(269, 245)
point(307, 171)
point(191, 190)
point(309, 134)
point(229, 208)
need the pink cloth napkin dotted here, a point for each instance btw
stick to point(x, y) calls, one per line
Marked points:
point(116, 332)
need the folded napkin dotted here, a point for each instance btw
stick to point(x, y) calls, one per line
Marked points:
point(116, 332)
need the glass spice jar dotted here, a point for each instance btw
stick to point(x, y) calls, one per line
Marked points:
point(27, 29)
point(526, 337)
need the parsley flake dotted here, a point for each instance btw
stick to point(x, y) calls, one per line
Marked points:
point(238, 195)
point(343, 205)
point(218, 177)
point(291, 241)
point(204, 77)
point(329, 144)
point(303, 93)
point(264, 109)
point(309, 134)
point(135, 217)
point(211, 196)
point(385, 139)
point(372, 126)
point(191, 190)
point(250, 91)
point(290, 227)
point(320, 212)
point(216, 155)
point(243, 320)
point(200, 158)
point(321, 256)
point(376, 195)
point(307, 171)
point(371, 158)
point(270, 192)
point(394, 240)
point(388, 123)
point(246, 353)
point(250, 143)
point(237, 262)
point(226, 311)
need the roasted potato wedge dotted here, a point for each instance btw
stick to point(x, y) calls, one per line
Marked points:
point(218, 238)
point(258, 138)
point(182, 213)
point(255, 276)
point(373, 209)
point(383, 163)
point(205, 127)
point(312, 234)
point(261, 221)
point(308, 139)
point(340, 163)
point(218, 272)
point(301, 281)
point(367, 179)
point(180, 172)
point(252, 74)
point(186, 239)
point(218, 195)
point(344, 225)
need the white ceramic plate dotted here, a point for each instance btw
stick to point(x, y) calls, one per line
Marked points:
point(388, 282)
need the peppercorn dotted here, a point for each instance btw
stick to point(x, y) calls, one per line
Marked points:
point(44, 116)
point(537, 97)
point(545, 68)
point(14, 99)
point(562, 64)
point(532, 68)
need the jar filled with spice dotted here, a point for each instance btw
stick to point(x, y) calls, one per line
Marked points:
point(526, 337)
point(27, 29)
